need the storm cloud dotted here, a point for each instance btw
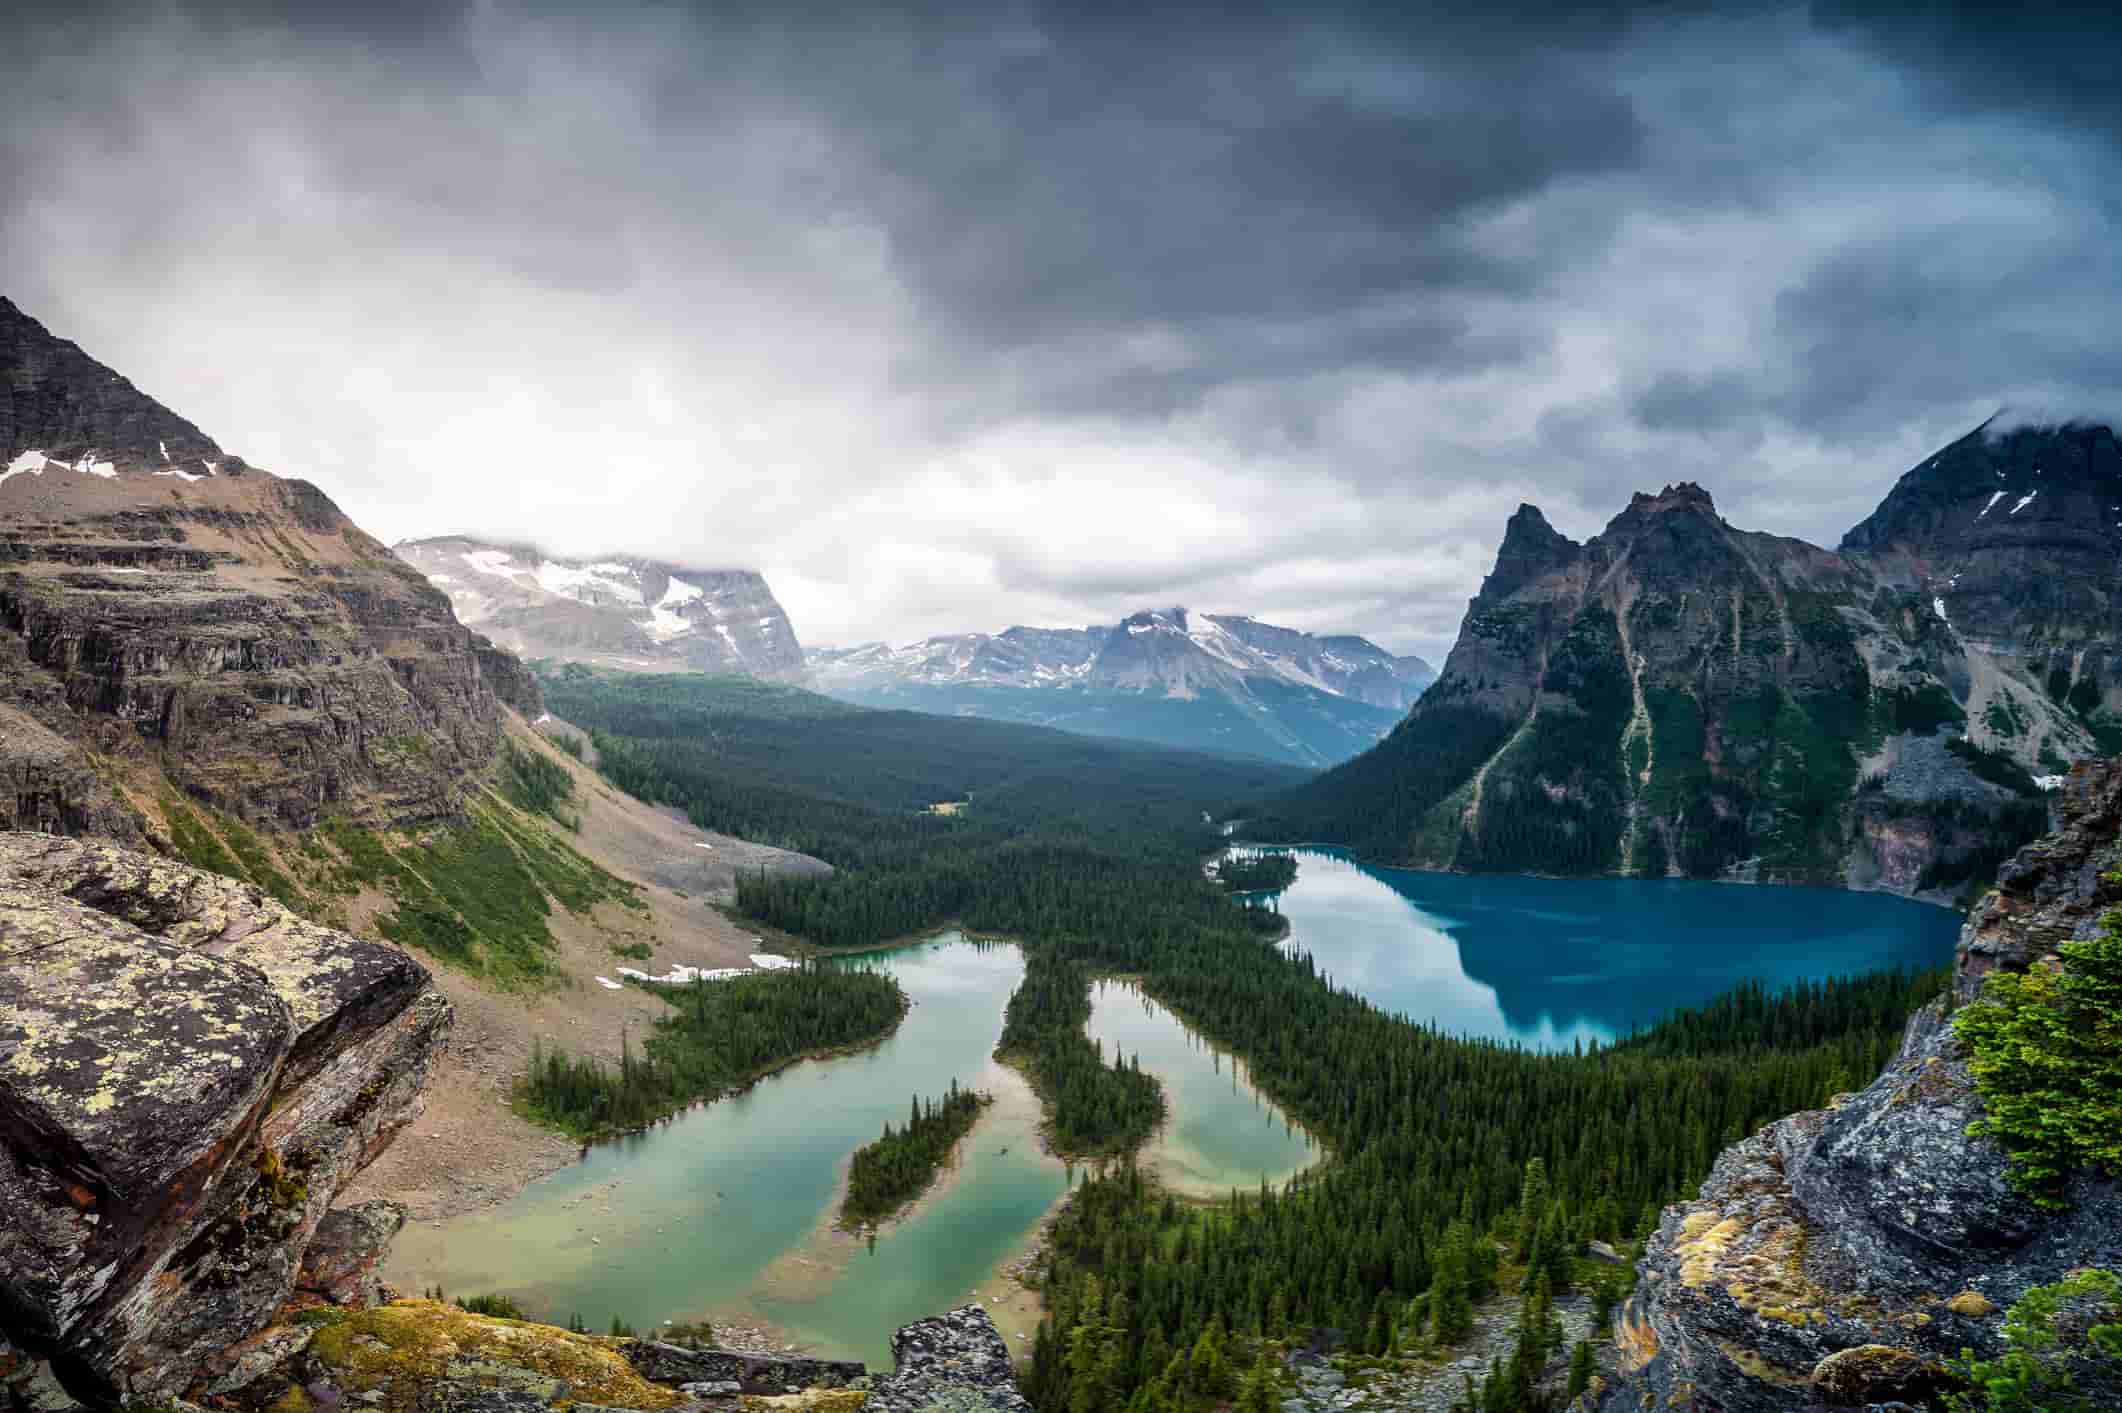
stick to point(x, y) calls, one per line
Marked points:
point(951, 317)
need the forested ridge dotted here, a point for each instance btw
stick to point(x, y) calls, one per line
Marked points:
point(1432, 1136)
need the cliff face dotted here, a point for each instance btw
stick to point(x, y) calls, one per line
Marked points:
point(1677, 696)
point(637, 615)
point(189, 1075)
point(1837, 1257)
point(169, 612)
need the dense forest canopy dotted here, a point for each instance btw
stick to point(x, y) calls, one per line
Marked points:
point(1091, 855)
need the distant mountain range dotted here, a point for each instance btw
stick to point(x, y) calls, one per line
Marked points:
point(1678, 697)
point(1214, 682)
point(638, 615)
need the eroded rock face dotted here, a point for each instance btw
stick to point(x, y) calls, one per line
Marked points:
point(188, 1075)
point(1838, 1258)
point(166, 608)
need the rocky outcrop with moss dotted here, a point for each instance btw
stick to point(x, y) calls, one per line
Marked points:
point(189, 1075)
point(422, 1356)
point(1841, 1257)
point(168, 610)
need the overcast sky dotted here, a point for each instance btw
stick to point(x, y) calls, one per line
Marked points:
point(960, 316)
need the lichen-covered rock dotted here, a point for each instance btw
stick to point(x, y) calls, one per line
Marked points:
point(1841, 1257)
point(958, 1352)
point(340, 1262)
point(2055, 890)
point(751, 1373)
point(1874, 1373)
point(423, 1354)
point(188, 1076)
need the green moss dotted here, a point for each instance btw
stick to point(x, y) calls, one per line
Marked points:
point(400, 1349)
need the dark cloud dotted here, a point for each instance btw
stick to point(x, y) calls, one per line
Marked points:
point(953, 315)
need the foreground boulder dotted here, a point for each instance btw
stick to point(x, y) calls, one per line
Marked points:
point(1839, 1258)
point(422, 1356)
point(189, 1074)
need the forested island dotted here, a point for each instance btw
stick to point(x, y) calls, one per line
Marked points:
point(884, 1177)
point(1256, 873)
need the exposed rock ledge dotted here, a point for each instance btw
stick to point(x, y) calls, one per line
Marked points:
point(189, 1075)
point(1837, 1257)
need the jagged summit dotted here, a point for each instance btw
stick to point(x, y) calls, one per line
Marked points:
point(640, 615)
point(1677, 696)
point(1531, 547)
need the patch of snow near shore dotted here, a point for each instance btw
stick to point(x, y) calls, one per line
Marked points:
point(2049, 782)
point(687, 976)
point(1938, 607)
point(2024, 501)
point(610, 985)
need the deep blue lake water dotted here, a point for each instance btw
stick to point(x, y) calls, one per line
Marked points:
point(1552, 962)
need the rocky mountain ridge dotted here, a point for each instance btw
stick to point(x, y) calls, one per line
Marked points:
point(1838, 1258)
point(1679, 697)
point(1223, 682)
point(174, 618)
point(637, 615)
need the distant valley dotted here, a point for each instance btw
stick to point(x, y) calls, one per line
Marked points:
point(1215, 682)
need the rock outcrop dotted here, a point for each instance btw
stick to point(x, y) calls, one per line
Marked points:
point(636, 615)
point(957, 1352)
point(421, 1356)
point(1677, 696)
point(1838, 1258)
point(189, 1074)
point(169, 613)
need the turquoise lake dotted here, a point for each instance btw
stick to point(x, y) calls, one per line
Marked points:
point(1552, 962)
point(725, 1213)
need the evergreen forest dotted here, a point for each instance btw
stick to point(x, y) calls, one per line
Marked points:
point(1090, 854)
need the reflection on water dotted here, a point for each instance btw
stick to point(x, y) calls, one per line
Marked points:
point(1219, 1132)
point(717, 1212)
point(727, 1210)
point(1551, 963)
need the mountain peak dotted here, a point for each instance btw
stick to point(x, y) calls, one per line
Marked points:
point(1684, 495)
point(1531, 547)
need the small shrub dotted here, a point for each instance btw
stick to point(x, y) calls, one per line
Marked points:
point(2047, 1056)
point(2038, 1373)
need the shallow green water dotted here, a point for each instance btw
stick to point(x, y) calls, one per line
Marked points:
point(1551, 962)
point(1220, 1133)
point(726, 1210)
